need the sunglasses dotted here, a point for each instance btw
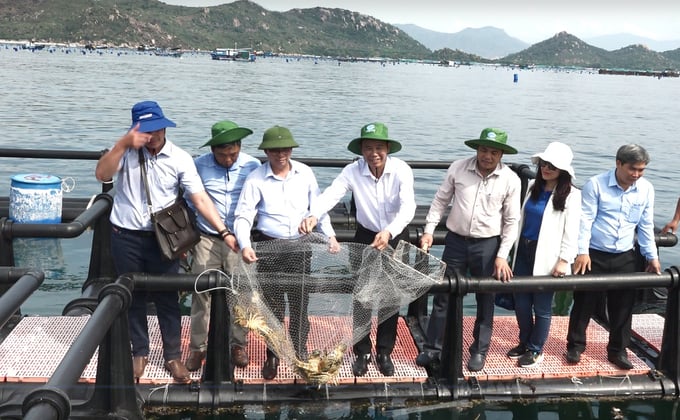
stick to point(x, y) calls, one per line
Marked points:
point(542, 163)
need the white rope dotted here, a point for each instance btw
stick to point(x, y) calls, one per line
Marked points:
point(68, 184)
point(230, 277)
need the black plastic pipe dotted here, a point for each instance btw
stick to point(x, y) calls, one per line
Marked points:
point(639, 386)
point(463, 285)
point(12, 298)
point(50, 154)
point(229, 394)
point(57, 230)
point(49, 398)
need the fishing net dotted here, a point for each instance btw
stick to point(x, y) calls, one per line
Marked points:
point(310, 305)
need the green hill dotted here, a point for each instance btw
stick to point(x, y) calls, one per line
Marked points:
point(319, 31)
point(315, 31)
point(564, 49)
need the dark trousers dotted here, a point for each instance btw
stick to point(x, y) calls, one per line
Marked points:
point(478, 257)
point(387, 330)
point(619, 304)
point(138, 252)
point(296, 292)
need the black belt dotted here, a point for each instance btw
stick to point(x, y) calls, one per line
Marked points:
point(212, 235)
point(470, 238)
point(143, 233)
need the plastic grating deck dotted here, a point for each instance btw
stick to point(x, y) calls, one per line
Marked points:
point(505, 336)
point(322, 330)
point(36, 346)
point(649, 328)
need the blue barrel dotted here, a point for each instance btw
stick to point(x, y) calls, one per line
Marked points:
point(35, 198)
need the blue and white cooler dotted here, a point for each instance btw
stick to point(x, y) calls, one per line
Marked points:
point(35, 198)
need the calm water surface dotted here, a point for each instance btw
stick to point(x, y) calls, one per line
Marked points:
point(74, 101)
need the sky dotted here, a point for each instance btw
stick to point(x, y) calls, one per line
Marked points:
point(528, 20)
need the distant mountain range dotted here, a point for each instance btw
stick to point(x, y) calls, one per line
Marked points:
point(490, 42)
point(487, 42)
point(316, 31)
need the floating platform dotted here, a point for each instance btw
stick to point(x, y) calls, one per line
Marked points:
point(34, 348)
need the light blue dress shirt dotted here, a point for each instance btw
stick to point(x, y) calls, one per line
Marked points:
point(223, 186)
point(611, 215)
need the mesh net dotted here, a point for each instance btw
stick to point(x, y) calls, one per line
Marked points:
point(295, 282)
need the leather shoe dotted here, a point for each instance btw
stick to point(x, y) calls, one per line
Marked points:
point(621, 361)
point(426, 358)
point(195, 360)
point(178, 371)
point(270, 367)
point(239, 356)
point(360, 366)
point(573, 356)
point(138, 365)
point(476, 362)
point(385, 365)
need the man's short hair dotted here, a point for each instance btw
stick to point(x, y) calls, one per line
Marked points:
point(632, 153)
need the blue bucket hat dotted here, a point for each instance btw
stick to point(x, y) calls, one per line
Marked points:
point(150, 117)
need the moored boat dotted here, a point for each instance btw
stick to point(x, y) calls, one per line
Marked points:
point(233, 54)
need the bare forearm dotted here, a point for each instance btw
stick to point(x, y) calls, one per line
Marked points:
point(108, 164)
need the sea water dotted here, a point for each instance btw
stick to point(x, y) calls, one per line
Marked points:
point(75, 100)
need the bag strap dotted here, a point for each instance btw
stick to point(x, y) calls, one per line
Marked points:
point(142, 167)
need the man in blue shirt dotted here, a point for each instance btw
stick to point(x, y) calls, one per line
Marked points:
point(223, 171)
point(614, 205)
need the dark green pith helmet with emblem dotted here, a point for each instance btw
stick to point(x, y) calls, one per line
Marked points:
point(277, 138)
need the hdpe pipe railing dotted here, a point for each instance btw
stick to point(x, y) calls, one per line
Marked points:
point(458, 285)
point(23, 283)
point(114, 390)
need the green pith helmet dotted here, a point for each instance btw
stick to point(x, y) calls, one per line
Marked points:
point(373, 131)
point(277, 138)
point(225, 132)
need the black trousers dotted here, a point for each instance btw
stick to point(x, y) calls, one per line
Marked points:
point(387, 331)
point(619, 304)
point(476, 256)
point(297, 294)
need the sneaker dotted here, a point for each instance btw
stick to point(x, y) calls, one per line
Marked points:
point(531, 358)
point(517, 352)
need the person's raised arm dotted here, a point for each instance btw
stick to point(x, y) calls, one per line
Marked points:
point(109, 163)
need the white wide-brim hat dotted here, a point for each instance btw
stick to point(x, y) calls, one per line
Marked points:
point(559, 154)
